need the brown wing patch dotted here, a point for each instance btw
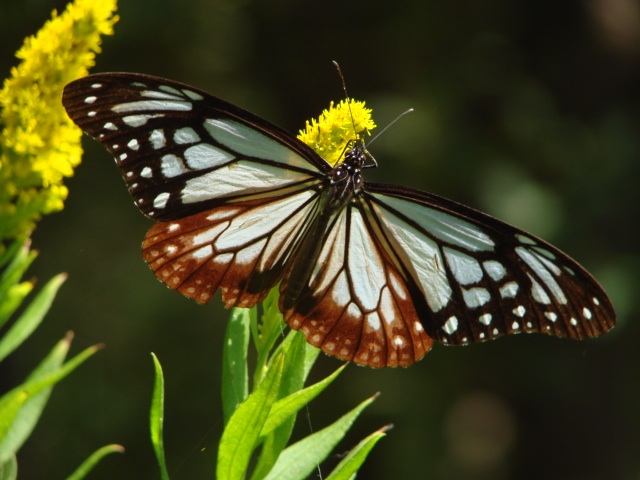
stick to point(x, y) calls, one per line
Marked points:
point(240, 248)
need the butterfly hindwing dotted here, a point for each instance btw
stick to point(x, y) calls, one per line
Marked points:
point(355, 304)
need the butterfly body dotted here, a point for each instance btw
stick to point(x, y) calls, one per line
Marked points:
point(371, 273)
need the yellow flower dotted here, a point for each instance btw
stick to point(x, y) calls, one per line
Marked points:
point(39, 145)
point(336, 127)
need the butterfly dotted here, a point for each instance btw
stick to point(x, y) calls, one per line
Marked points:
point(369, 272)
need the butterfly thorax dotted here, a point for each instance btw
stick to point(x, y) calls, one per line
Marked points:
point(346, 177)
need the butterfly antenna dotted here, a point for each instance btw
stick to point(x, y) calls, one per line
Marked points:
point(389, 126)
point(346, 94)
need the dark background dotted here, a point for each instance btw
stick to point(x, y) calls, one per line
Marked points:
point(526, 110)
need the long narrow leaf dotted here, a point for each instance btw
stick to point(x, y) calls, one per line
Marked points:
point(235, 374)
point(85, 468)
point(349, 465)
point(293, 348)
point(13, 401)
point(300, 459)
point(28, 416)
point(243, 429)
point(291, 404)
point(12, 291)
point(31, 317)
point(156, 418)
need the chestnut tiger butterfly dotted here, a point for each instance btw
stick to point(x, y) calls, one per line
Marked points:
point(371, 273)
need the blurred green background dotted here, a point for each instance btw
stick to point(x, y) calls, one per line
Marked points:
point(526, 110)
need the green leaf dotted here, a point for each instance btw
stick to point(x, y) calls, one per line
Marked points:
point(9, 469)
point(350, 464)
point(31, 317)
point(28, 416)
point(85, 468)
point(12, 291)
point(300, 459)
point(293, 349)
point(291, 404)
point(235, 374)
point(13, 401)
point(156, 418)
point(243, 429)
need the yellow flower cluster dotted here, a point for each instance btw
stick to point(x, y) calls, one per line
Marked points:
point(39, 145)
point(336, 127)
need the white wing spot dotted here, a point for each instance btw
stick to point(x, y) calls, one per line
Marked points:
point(481, 335)
point(373, 320)
point(451, 325)
point(109, 126)
point(90, 99)
point(465, 269)
point(509, 290)
point(495, 331)
point(115, 146)
point(418, 327)
point(96, 85)
point(551, 316)
point(192, 95)
point(157, 139)
point(538, 293)
point(136, 121)
point(520, 311)
point(153, 105)
point(573, 321)
point(129, 174)
point(203, 252)
point(397, 286)
point(475, 297)
point(171, 249)
point(398, 341)
point(485, 319)
point(146, 172)
point(525, 239)
point(171, 166)
point(203, 156)
point(185, 135)
point(545, 252)
point(173, 227)
point(161, 200)
point(123, 156)
point(596, 301)
point(133, 144)
point(529, 325)
point(587, 313)
point(495, 269)
point(515, 326)
point(91, 114)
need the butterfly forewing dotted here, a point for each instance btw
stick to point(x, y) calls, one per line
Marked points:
point(182, 151)
point(374, 277)
point(482, 278)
